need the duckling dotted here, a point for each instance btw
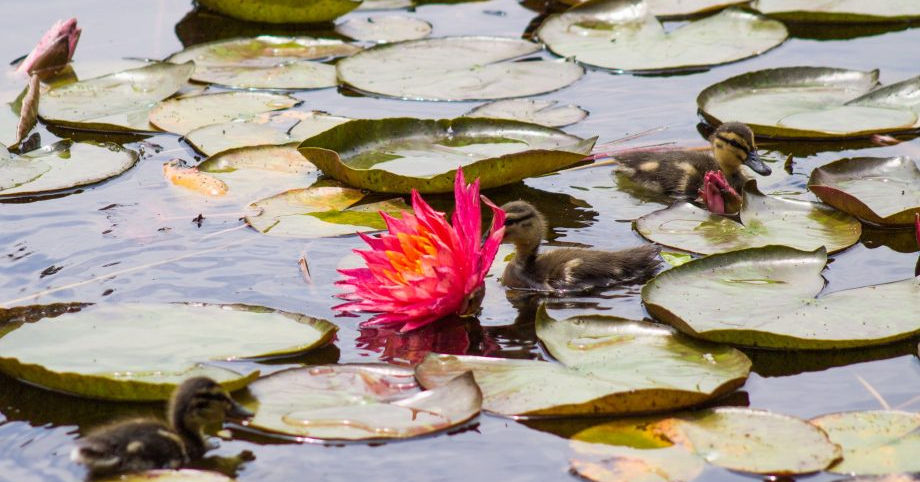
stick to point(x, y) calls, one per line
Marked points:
point(566, 269)
point(681, 173)
point(144, 443)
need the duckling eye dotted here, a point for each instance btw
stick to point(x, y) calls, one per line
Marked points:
point(512, 221)
point(733, 143)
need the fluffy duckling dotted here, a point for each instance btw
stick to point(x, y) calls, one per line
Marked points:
point(566, 269)
point(681, 173)
point(144, 443)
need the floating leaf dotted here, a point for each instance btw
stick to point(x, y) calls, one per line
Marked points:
point(290, 126)
point(143, 351)
point(874, 442)
point(266, 62)
point(676, 259)
point(543, 112)
point(683, 8)
point(840, 11)
point(184, 114)
point(813, 102)
point(257, 171)
point(619, 463)
point(765, 297)
point(765, 220)
point(283, 11)
point(384, 28)
point(114, 102)
point(608, 366)
point(322, 210)
point(62, 165)
point(879, 190)
point(359, 402)
point(164, 475)
point(9, 123)
point(397, 155)
point(455, 68)
point(623, 35)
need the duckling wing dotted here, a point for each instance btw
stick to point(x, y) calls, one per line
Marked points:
point(676, 173)
point(584, 269)
point(130, 446)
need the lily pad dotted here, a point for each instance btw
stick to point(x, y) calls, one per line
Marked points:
point(290, 126)
point(359, 402)
point(623, 35)
point(683, 8)
point(455, 68)
point(765, 297)
point(544, 112)
point(114, 102)
point(164, 475)
point(266, 62)
point(620, 463)
point(738, 439)
point(283, 11)
point(813, 102)
point(874, 442)
point(143, 351)
point(384, 28)
point(840, 11)
point(765, 220)
point(185, 114)
point(62, 165)
point(879, 190)
point(322, 210)
point(397, 155)
point(608, 366)
point(257, 171)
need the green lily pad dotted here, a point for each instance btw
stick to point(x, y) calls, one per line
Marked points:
point(322, 210)
point(384, 28)
point(62, 165)
point(185, 114)
point(397, 155)
point(455, 68)
point(840, 11)
point(765, 220)
point(765, 297)
point(359, 402)
point(266, 62)
point(738, 439)
point(115, 102)
point(623, 35)
point(813, 102)
point(879, 190)
point(143, 351)
point(619, 463)
point(543, 112)
point(283, 11)
point(608, 366)
point(874, 442)
point(165, 475)
point(289, 126)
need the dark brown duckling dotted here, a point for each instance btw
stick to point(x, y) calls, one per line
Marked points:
point(144, 444)
point(566, 269)
point(680, 173)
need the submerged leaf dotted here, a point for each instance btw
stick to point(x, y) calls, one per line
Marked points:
point(874, 442)
point(879, 190)
point(544, 112)
point(184, 114)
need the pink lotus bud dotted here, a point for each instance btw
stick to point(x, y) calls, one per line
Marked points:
point(54, 50)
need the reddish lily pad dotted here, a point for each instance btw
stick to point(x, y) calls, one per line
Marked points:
point(874, 442)
point(879, 190)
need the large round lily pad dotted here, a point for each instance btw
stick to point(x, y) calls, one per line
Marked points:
point(184, 114)
point(143, 351)
point(114, 102)
point(879, 190)
point(544, 112)
point(455, 68)
point(322, 210)
point(608, 366)
point(359, 402)
point(765, 297)
point(384, 28)
point(840, 11)
point(62, 165)
point(283, 11)
point(602, 462)
point(400, 154)
point(266, 62)
point(624, 35)
point(289, 126)
point(765, 220)
point(813, 102)
point(874, 442)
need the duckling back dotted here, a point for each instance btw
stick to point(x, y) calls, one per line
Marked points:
point(578, 269)
point(130, 446)
point(675, 173)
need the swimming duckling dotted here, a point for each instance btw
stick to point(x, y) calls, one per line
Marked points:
point(144, 443)
point(681, 173)
point(566, 269)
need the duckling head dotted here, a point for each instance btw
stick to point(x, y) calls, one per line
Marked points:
point(525, 227)
point(200, 402)
point(733, 145)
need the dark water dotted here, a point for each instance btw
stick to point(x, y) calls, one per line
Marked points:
point(133, 239)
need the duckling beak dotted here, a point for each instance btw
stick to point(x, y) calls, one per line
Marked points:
point(239, 412)
point(753, 161)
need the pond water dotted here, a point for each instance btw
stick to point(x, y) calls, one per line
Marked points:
point(133, 238)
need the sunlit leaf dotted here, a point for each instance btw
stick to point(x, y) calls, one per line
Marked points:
point(257, 171)
point(840, 11)
point(880, 190)
point(283, 11)
point(384, 28)
point(289, 126)
point(874, 442)
point(184, 114)
point(543, 112)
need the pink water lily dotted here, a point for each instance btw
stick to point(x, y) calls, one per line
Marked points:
point(717, 193)
point(424, 269)
point(55, 48)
